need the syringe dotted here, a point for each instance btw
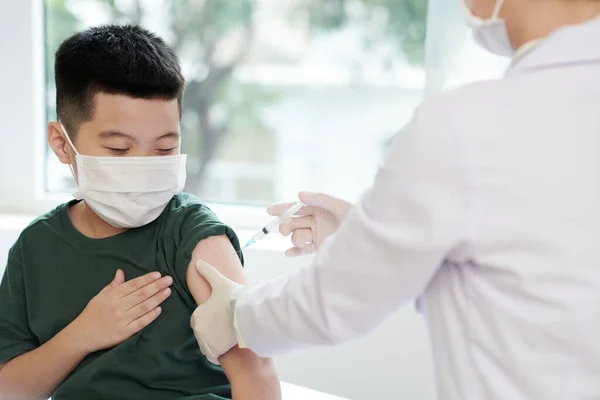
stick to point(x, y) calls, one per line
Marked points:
point(268, 228)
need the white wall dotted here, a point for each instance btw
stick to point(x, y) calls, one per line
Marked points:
point(392, 363)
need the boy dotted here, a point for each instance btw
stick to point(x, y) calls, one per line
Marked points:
point(97, 295)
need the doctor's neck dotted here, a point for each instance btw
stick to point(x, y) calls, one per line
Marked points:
point(532, 19)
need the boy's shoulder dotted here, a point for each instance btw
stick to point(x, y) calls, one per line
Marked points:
point(187, 219)
point(37, 228)
point(183, 200)
point(185, 205)
point(45, 221)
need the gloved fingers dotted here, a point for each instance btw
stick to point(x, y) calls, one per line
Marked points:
point(301, 237)
point(309, 248)
point(210, 273)
point(207, 351)
point(334, 205)
point(289, 226)
point(277, 209)
point(321, 200)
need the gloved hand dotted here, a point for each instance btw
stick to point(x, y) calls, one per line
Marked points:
point(320, 218)
point(212, 321)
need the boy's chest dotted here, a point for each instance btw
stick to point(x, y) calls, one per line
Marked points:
point(67, 278)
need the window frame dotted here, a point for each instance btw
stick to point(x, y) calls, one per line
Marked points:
point(22, 157)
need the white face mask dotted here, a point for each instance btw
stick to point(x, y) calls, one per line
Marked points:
point(491, 33)
point(128, 192)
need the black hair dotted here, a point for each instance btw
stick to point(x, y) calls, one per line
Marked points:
point(114, 59)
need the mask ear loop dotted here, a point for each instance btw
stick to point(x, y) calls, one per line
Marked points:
point(497, 7)
point(68, 139)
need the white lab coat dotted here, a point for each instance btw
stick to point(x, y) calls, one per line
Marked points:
point(488, 208)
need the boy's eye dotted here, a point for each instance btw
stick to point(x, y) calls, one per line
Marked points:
point(166, 151)
point(118, 152)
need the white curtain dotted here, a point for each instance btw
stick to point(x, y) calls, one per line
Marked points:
point(446, 33)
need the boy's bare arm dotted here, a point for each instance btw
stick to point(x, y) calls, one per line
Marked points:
point(251, 377)
point(115, 314)
point(36, 374)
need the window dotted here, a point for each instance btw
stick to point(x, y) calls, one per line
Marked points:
point(302, 94)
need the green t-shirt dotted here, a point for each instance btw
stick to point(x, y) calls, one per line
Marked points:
point(53, 272)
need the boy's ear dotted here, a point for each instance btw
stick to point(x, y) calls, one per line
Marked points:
point(58, 143)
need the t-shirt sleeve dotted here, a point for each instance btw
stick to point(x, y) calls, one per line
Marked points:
point(15, 336)
point(197, 223)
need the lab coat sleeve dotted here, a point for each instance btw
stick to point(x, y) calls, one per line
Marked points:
point(384, 254)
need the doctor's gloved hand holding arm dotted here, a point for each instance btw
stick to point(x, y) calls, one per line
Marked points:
point(384, 254)
point(251, 377)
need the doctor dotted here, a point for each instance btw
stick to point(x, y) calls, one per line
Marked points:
point(487, 209)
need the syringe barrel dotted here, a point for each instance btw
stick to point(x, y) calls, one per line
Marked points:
point(274, 223)
point(292, 210)
point(271, 226)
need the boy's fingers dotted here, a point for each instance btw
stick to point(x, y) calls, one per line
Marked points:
point(137, 283)
point(150, 304)
point(145, 293)
point(144, 321)
point(117, 280)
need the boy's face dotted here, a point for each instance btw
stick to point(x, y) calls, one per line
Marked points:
point(122, 126)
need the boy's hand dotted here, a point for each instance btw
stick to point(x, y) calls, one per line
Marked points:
point(120, 310)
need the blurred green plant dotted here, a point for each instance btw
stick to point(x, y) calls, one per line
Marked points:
point(404, 21)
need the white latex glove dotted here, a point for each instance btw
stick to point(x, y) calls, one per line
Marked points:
point(312, 224)
point(212, 321)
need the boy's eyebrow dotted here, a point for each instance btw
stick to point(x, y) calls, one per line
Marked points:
point(170, 135)
point(117, 134)
point(113, 134)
